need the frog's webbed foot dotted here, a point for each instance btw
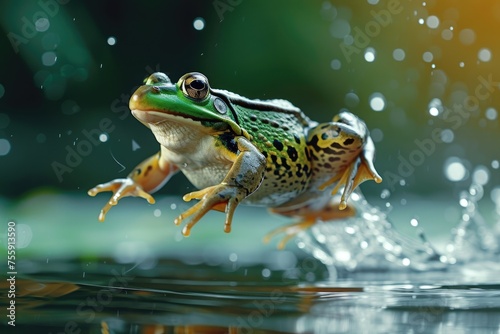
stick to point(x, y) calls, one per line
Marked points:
point(212, 198)
point(359, 171)
point(309, 217)
point(120, 188)
point(289, 231)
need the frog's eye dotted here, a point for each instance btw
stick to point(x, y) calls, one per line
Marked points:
point(195, 86)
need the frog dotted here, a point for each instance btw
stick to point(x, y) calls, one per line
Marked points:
point(236, 150)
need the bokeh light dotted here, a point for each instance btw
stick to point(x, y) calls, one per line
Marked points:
point(199, 23)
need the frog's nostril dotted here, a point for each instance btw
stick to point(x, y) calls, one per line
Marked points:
point(155, 89)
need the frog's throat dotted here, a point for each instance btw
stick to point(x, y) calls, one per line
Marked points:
point(148, 117)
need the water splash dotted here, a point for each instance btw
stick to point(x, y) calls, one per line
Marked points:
point(472, 239)
point(369, 241)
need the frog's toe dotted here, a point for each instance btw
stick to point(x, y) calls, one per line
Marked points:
point(220, 198)
point(289, 231)
point(197, 212)
point(120, 188)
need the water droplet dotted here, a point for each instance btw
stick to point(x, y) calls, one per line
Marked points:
point(233, 257)
point(427, 56)
point(4, 147)
point(370, 55)
point(343, 255)
point(398, 54)
point(406, 262)
point(495, 164)
point(454, 169)
point(173, 206)
point(103, 137)
point(433, 111)
point(157, 213)
point(377, 135)
point(266, 272)
point(351, 100)
point(199, 23)
point(41, 138)
point(484, 55)
point(481, 175)
point(385, 194)
point(467, 36)
point(432, 22)
point(49, 58)
point(335, 64)
point(348, 39)
point(447, 34)
point(414, 222)
point(372, 2)
point(491, 114)
point(461, 64)
point(495, 195)
point(377, 101)
point(447, 136)
point(421, 21)
point(350, 230)
point(42, 24)
point(340, 28)
point(111, 40)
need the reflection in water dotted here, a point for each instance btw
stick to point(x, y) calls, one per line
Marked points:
point(175, 298)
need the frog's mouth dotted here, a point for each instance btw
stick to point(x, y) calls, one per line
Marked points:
point(171, 120)
point(156, 117)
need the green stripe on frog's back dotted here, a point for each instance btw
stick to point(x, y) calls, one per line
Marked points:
point(278, 131)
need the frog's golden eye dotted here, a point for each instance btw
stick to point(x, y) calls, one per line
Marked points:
point(195, 86)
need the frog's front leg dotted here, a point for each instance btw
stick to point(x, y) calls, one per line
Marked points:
point(343, 153)
point(361, 169)
point(147, 177)
point(244, 177)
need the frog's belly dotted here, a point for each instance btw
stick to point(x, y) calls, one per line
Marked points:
point(268, 194)
point(205, 166)
point(271, 195)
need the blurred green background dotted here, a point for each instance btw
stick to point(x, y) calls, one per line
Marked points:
point(423, 75)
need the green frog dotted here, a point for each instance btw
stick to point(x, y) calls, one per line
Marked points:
point(242, 151)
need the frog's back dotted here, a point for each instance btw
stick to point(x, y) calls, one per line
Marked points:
point(278, 129)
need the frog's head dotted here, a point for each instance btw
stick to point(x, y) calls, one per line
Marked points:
point(190, 103)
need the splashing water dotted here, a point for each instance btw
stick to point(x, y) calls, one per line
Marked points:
point(472, 239)
point(369, 241)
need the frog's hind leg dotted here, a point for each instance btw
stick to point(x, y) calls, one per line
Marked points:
point(289, 231)
point(308, 217)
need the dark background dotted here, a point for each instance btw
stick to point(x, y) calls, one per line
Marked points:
point(259, 49)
